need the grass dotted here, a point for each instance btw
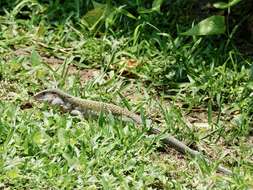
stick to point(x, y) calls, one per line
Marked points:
point(197, 92)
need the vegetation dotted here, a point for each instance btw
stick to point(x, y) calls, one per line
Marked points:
point(149, 56)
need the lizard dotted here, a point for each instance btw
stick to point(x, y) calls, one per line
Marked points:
point(78, 106)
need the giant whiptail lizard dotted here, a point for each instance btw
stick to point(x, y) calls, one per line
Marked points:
point(77, 105)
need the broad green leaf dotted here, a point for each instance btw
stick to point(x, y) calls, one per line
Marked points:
point(210, 26)
point(94, 16)
point(35, 58)
point(37, 138)
point(157, 5)
point(223, 5)
point(40, 137)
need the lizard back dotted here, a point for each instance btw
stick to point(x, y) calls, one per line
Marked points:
point(97, 106)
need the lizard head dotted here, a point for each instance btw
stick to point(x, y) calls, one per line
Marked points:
point(50, 96)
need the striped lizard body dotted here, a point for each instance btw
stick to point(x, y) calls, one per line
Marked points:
point(79, 106)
